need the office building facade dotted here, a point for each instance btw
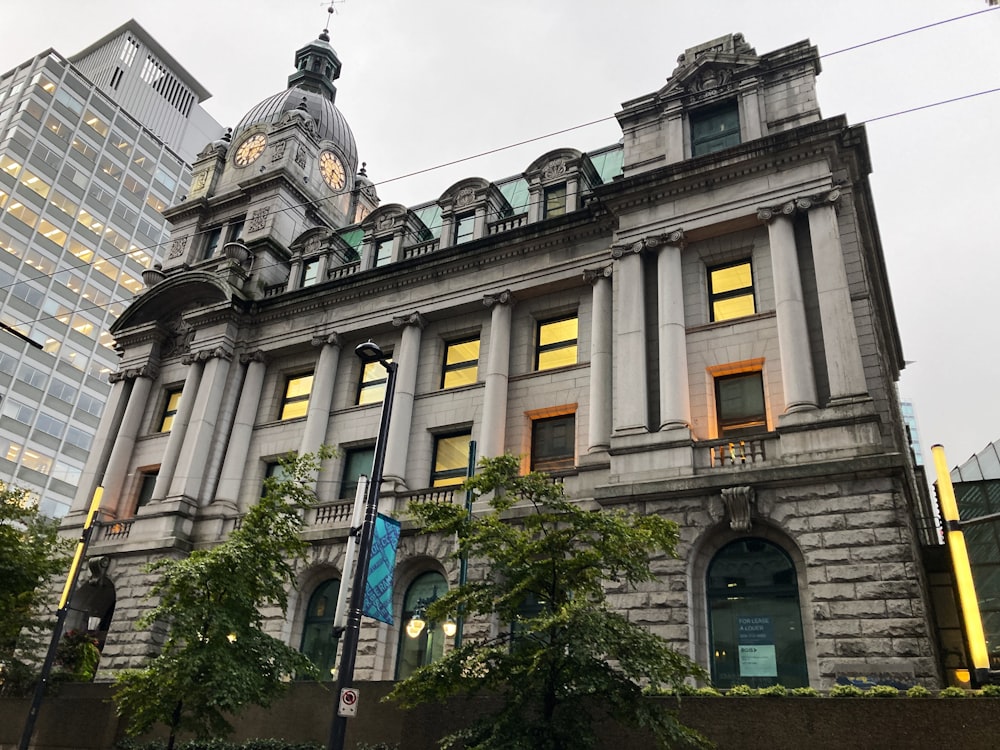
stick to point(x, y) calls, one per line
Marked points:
point(93, 148)
point(694, 322)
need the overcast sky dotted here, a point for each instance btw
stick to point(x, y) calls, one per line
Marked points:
point(428, 82)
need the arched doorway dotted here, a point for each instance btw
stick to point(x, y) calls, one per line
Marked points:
point(318, 642)
point(427, 646)
point(754, 619)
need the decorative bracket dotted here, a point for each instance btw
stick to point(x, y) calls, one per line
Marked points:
point(739, 502)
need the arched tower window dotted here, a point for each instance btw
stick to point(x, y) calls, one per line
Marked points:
point(427, 646)
point(755, 624)
point(318, 642)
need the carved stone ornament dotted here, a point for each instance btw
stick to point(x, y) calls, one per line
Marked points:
point(593, 275)
point(258, 219)
point(178, 338)
point(207, 354)
point(711, 77)
point(555, 168)
point(770, 213)
point(413, 319)
point(327, 339)
point(131, 373)
point(739, 502)
point(465, 197)
point(506, 297)
point(257, 355)
point(300, 157)
point(619, 251)
point(200, 180)
point(98, 568)
point(177, 247)
point(278, 150)
point(809, 201)
point(384, 223)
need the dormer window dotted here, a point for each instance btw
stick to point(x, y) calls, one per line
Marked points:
point(383, 252)
point(465, 225)
point(310, 272)
point(555, 201)
point(715, 128)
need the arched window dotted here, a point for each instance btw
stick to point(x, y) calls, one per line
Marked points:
point(428, 645)
point(755, 625)
point(318, 642)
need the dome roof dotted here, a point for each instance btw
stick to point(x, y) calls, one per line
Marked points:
point(330, 123)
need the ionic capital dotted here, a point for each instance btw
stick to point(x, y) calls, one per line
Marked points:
point(593, 275)
point(620, 251)
point(770, 213)
point(147, 370)
point(827, 197)
point(257, 355)
point(204, 355)
point(506, 297)
point(413, 319)
point(328, 339)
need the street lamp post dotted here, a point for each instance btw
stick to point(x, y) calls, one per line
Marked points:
point(369, 353)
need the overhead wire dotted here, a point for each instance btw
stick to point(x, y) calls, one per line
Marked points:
point(307, 204)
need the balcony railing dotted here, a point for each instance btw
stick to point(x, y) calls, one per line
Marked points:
point(110, 531)
point(422, 249)
point(505, 225)
point(334, 513)
point(735, 453)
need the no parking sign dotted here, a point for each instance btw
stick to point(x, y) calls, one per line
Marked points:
point(348, 702)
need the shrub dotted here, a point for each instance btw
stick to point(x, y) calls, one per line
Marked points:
point(990, 691)
point(743, 691)
point(846, 691)
point(804, 692)
point(255, 744)
point(774, 691)
point(708, 692)
point(952, 692)
point(918, 691)
point(883, 691)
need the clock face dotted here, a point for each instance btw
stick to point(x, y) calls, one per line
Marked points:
point(250, 150)
point(332, 170)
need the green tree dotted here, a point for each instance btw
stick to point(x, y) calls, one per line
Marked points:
point(569, 659)
point(31, 555)
point(216, 657)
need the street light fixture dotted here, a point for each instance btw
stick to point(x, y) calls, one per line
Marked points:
point(369, 353)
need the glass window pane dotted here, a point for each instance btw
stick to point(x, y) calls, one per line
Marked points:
point(357, 462)
point(556, 331)
point(740, 404)
point(557, 358)
point(730, 278)
point(451, 460)
point(296, 401)
point(318, 641)
point(734, 307)
point(428, 645)
point(553, 443)
point(730, 291)
point(461, 365)
point(371, 390)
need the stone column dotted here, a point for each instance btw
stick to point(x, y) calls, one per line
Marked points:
point(840, 335)
point(295, 273)
point(234, 467)
point(321, 395)
point(323, 268)
point(798, 379)
point(178, 431)
point(675, 397)
point(104, 441)
point(190, 469)
point(631, 410)
point(408, 360)
point(599, 429)
point(121, 453)
point(492, 434)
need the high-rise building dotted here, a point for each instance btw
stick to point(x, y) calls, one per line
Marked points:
point(93, 148)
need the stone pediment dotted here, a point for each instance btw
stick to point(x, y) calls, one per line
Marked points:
point(711, 67)
point(177, 293)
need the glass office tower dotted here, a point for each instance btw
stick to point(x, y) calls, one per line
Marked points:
point(92, 148)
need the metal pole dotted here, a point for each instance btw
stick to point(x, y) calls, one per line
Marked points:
point(463, 568)
point(338, 729)
point(64, 600)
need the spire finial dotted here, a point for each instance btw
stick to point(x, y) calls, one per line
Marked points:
point(325, 34)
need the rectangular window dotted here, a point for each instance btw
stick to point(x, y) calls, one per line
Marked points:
point(715, 129)
point(234, 233)
point(451, 459)
point(464, 227)
point(553, 443)
point(730, 291)
point(739, 404)
point(556, 344)
point(310, 272)
point(461, 363)
point(555, 200)
point(371, 389)
point(170, 410)
point(295, 404)
point(383, 252)
point(211, 243)
point(146, 487)
point(358, 461)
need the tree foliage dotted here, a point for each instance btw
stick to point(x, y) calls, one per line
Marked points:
point(569, 660)
point(216, 657)
point(31, 556)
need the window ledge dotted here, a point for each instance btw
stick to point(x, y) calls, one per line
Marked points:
point(732, 321)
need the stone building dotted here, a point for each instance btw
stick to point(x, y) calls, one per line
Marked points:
point(694, 322)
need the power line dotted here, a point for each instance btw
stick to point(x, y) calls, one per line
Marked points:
point(908, 31)
point(499, 149)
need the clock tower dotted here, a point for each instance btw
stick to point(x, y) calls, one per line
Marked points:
point(290, 166)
